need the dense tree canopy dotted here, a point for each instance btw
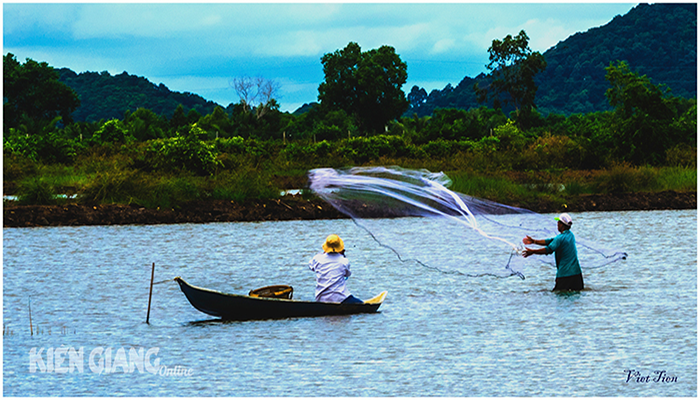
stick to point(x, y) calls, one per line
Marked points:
point(513, 68)
point(657, 40)
point(366, 85)
point(646, 123)
point(32, 93)
point(104, 96)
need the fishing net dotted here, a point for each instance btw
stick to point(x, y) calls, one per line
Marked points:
point(413, 213)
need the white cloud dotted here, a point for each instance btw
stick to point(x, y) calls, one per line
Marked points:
point(543, 33)
point(318, 42)
point(143, 20)
point(442, 46)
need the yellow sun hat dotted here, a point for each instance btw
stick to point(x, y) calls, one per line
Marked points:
point(333, 244)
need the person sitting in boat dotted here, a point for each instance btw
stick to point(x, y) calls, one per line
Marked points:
point(569, 276)
point(332, 269)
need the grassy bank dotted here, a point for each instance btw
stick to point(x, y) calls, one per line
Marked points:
point(530, 187)
point(114, 177)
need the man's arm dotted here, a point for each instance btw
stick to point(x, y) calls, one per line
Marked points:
point(528, 240)
point(528, 252)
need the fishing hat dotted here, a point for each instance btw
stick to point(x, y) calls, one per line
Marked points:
point(333, 244)
point(565, 219)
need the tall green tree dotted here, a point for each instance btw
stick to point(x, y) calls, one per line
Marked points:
point(217, 124)
point(32, 92)
point(417, 97)
point(144, 124)
point(644, 114)
point(366, 85)
point(513, 67)
point(179, 118)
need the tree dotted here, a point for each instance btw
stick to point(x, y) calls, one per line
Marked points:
point(256, 94)
point(143, 124)
point(179, 118)
point(217, 124)
point(417, 97)
point(513, 68)
point(112, 131)
point(644, 113)
point(366, 85)
point(32, 92)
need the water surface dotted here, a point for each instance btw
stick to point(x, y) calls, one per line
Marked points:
point(437, 334)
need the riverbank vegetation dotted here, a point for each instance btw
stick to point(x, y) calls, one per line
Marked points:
point(240, 169)
point(646, 143)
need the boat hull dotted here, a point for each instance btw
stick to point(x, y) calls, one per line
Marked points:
point(235, 307)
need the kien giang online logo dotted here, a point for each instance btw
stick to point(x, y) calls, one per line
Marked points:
point(101, 360)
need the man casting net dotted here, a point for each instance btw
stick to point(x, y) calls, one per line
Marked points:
point(424, 214)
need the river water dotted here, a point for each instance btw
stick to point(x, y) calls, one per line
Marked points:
point(437, 334)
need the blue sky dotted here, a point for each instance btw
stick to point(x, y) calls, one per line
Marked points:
point(200, 48)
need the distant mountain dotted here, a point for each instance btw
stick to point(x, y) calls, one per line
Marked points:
point(103, 96)
point(306, 107)
point(659, 41)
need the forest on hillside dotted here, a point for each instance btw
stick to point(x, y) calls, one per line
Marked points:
point(659, 41)
point(103, 96)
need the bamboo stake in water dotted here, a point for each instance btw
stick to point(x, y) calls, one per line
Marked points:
point(150, 293)
point(31, 329)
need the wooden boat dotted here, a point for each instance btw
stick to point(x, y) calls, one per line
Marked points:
point(235, 307)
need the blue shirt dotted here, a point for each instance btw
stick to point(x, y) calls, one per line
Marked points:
point(332, 269)
point(564, 248)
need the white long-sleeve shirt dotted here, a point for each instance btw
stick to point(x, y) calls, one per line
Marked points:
point(331, 271)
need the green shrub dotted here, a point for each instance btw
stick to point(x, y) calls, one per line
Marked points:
point(509, 136)
point(682, 155)
point(15, 166)
point(112, 131)
point(365, 149)
point(307, 153)
point(57, 148)
point(325, 132)
point(487, 144)
point(232, 145)
point(415, 152)
point(50, 146)
point(114, 186)
point(244, 184)
point(18, 142)
point(260, 149)
point(438, 148)
point(679, 179)
point(548, 152)
point(493, 188)
point(37, 191)
point(131, 186)
point(171, 191)
point(183, 153)
point(623, 178)
point(576, 188)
